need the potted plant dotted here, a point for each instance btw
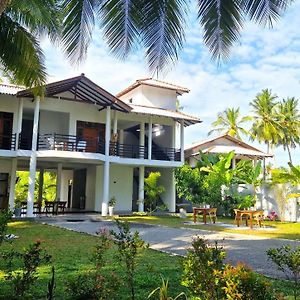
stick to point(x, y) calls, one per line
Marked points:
point(18, 209)
point(111, 204)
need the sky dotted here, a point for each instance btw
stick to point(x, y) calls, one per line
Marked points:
point(263, 58)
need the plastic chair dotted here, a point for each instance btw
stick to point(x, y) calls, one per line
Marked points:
point(259, 217)
point(213, 215)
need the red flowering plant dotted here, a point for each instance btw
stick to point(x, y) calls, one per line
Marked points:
point(272, 216)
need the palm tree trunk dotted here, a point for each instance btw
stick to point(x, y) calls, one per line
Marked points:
point(289, 152)
point(3, 5)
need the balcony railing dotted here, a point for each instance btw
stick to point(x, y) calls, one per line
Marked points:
point(164, 153)
point(62, 142)
point(128, 150)
point(8, 142)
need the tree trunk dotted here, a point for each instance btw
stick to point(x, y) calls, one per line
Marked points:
point(3, 5)
point(289, 152)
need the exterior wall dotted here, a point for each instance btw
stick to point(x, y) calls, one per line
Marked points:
point(65, 177)
point(167, 180)
point(274, 198)
point(54, 122)
point(121, 186)
point(164, 139)
point(98, 187)
point(5, 165)
point(152, 96)
point(90, 188)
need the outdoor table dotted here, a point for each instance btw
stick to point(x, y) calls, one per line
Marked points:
point(54, 206)
point(248, 213)
point(204, 211)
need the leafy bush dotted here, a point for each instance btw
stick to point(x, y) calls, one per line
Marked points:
point(199, 269)
point(22, 278)
point(5, 217)
point(128, 245)
point(287, 260)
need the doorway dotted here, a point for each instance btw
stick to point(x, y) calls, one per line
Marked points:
point(6, 126)
point(79, 186)
point(3, 190)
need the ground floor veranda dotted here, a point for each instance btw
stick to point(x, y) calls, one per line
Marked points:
point(84, 186)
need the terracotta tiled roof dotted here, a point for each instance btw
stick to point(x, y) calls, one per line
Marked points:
point(156, 83)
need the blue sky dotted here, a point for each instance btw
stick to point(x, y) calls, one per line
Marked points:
point(264, 58)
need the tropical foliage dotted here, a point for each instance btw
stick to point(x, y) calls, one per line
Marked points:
point(157, 26)
point(230, 122)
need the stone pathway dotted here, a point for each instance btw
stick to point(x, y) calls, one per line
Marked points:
point(248, 249)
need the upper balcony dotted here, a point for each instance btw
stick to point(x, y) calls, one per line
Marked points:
point(8, 142)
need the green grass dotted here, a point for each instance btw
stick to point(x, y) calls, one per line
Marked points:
point(284, 230)
point(71, 253)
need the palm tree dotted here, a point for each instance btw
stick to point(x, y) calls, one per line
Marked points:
point(289, 119)
point(265, 127)
point(22, 23)
point(230, 122)
point(157, 25)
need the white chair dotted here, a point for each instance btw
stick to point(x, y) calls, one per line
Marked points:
point(81, 146)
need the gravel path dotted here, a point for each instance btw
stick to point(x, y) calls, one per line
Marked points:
point(248, 249)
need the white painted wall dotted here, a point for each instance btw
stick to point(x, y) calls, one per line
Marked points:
point(66, 176)
point(121, 186)
point(90, 188)
point(167, 180)
point(10, 104)
point(53, 122)
point(98, 187)
point(5, 165)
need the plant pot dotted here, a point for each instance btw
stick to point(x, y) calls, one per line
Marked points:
point(17, 212)
point(111, 211)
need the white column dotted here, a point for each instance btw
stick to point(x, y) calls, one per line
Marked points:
point(115, 128)
point(20, 118)
point(142, 139)
point(182, 141)
point(11, 200)
point(172, 207)
point(58, 182)
point(174, 135)
point(107, 131)
point(233, 163)
point(32, 167)
point(121, 139)
point(150, 138)
point(105, 196)
point(141, 188)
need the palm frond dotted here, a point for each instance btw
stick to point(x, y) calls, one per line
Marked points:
point(163, 31)
point(265, 12)
point(20, 54)
point(222, 22)
point(121, 20)
point(78, 25)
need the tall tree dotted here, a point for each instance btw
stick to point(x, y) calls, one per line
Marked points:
point(289, 120)
point(158, 25)
point(265, 127)
point(22, 23)
point(230, 122)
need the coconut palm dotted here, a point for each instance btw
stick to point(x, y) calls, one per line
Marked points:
point(230, 122)
point(22, 23)
point(265, 127)
point(157, 25)
point(289, 120)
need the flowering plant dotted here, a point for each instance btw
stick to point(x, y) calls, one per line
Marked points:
point(272, 216)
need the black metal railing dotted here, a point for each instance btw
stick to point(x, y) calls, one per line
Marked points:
point(8, 142)
point(165, 153)
point(128, 150)
point(63, 142)
point(25, 141)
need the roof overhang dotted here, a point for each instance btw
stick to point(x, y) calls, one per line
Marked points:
point(82, 90)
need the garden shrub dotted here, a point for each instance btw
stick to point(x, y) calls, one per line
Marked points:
point(22, 267)
point(5, 217)
point(287, 260)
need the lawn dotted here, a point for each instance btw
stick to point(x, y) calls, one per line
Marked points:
point(284, 230)
point(71, 253)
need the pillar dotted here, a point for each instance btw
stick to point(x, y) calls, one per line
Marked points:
point(115, 127)
point(233, 163)
point(172, 206)
point(142, 140)
point(107, 131)
point(141, 188)
point(32, 165)
point(58, 181)
point(11, 199)
point(150, 138)
point(105, 195)
point(182, 141)
point(121, 139)
point(20, 118)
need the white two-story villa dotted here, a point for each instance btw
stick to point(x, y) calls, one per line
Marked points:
point(100, 145)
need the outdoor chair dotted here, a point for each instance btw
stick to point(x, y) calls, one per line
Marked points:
point(238, 217)
point(213, 215)
point(259, 217)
